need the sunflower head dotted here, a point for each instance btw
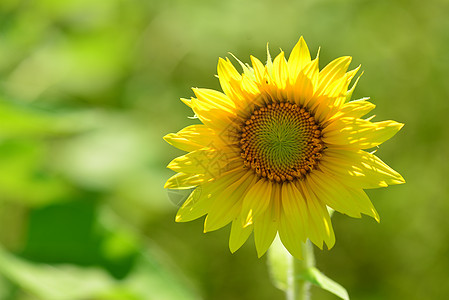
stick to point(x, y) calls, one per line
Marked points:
point(277, 148)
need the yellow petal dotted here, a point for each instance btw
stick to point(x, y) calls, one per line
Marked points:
point(359, 168)
point(350, 74)
point(337, 195)
point(213, 162)
point(195, 162)
point(332, 96)
point(228, 203)
point(193, 208)
point(229, 78)
point(214, 99)
point(339, 87)
point(328, 190)
point(191, 138)
point(251, 96)
point(238, 235)
point(289, 237)
point(265, 228)
point(259, 69)
point(333, 71)
point(249, 86)
point(292, 225)
point(307, 82)
point(366, 207)
point(354, 109)
point(280, 71)
point(339, 90)
point(298, 59)
point(318, 219)
point(213, 115)
point(256, 201)
point(294, 208)
point(246, 68)
point(269, 64)
point(183, 181)
point(187, 102)
point(358, 133)
point(200, 200)
point(349, 93)
point(323, 107)
point(302, 89)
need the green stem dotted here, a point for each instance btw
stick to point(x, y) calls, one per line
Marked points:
point(298, 288)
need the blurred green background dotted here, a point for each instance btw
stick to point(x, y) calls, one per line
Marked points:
point(89, 87)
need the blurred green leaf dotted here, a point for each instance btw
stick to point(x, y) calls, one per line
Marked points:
point(153, 270)
point(314, 276)
point(149, 280)
point(54, 283)
point(23, 177)
point(82, 232)
point(26, 121)
point(115, 148)
point(5, 288)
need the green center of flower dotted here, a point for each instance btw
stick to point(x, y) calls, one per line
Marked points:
point(281, 142)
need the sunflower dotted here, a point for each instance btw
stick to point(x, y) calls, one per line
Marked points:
point(276, 151)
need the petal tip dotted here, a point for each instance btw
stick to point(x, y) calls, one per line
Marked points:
point(232, 248)
point(260, 253)
point(167, 137)
point(171, 164)
point(167, 185)
point(178, 218)
point(195, 90)
point(330, 245)
point(187, 102)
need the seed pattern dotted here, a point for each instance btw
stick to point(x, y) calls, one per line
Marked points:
point(281, 141)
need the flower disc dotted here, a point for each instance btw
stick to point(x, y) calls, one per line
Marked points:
point(281, 141)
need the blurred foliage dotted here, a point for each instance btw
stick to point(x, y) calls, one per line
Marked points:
point(88, 89)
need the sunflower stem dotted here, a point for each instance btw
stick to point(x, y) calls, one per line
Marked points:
point(297, 287)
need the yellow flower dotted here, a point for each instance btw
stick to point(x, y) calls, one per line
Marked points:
point(277, 148)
